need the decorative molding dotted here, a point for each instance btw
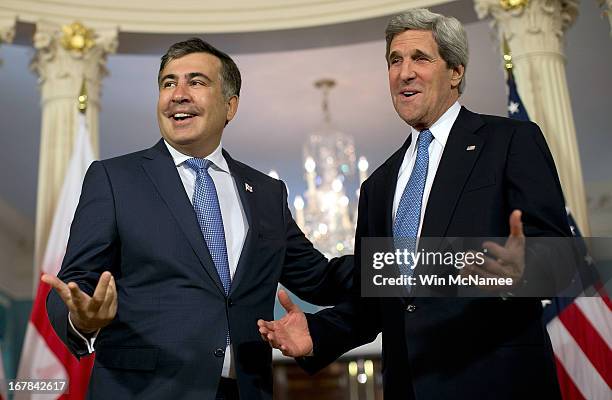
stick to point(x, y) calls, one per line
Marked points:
point(201, 16)
point(61, 71)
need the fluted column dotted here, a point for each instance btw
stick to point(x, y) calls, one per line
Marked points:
point(66, 56)
point(534, 30)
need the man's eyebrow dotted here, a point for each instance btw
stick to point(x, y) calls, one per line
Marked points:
point(394, 53)
point(189, 76)
point(192, 75)
point(167, 76)
point(420, 53)
point(415, 54)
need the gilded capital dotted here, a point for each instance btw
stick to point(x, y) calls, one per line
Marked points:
point(66, 55)
point(77, 38)
point(530, 26)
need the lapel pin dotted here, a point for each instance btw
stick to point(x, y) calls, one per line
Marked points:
point(248, 187)
point(470, 148)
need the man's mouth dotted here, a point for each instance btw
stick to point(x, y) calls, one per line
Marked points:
point(408, 93)
point(181, 116)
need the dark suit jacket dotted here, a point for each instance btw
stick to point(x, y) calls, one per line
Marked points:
point(168, 338)
point(458, 348)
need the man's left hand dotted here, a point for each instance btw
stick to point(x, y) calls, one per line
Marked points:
point(506, 261)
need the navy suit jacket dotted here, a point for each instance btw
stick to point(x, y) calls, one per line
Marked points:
point(167, 340)
point(458, 348)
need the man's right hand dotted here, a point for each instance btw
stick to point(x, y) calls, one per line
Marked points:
point(289, 334)
point(88, 314)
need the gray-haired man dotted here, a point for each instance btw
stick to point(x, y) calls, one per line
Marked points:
point(459, 174)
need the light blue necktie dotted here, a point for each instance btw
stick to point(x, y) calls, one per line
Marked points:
point(206, 206)
point(408, 215)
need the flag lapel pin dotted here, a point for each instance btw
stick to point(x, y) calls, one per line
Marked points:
point(470, 148)
point(248, 187)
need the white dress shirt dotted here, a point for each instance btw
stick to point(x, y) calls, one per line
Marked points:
point(440, 131)
point(235, 224)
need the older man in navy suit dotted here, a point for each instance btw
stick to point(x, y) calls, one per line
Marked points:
point(177, 250)
point(459, 174)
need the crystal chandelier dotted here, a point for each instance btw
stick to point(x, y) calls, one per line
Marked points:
point(325, 213)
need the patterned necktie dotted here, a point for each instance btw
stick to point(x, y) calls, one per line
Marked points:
point(207, 209)
point(206, 206)
point(408, 215)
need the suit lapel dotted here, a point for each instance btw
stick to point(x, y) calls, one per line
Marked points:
point(380, 198)
point(455, 167)
point(383, 192)
point(246, 190)
point(160, 168)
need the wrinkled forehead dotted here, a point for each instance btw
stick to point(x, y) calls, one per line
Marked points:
point(412, 39)
point(202, 63)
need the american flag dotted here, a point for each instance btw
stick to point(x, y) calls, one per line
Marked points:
point(580, 328)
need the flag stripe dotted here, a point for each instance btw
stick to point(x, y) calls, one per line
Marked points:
point(577, 366)
point(569, 391)
point(598, 312)
point(589, 340)
point(78, 371)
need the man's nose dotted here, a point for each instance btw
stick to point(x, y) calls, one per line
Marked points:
point(407, 71)
point(181, 94)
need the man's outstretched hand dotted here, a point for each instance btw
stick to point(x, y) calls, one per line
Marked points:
point(289, 334)
point(506, 261)
point(88, 314)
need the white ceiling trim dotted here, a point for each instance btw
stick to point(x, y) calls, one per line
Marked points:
point(162, 16)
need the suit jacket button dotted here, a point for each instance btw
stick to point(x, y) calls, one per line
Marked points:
point(411, 308)
point(219, 352)
point(230, 302)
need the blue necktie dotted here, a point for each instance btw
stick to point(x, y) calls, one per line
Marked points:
point(408, 215)
point(207, 209)
point(206, 206)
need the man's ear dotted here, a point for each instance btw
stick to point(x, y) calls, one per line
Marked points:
point(232, 108)
point(457, 75)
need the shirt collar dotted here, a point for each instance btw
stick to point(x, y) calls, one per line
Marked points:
point(442, 127)
point(216, 157)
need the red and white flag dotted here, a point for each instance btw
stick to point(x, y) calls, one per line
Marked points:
point(44, 355)
point(581, 335)
point(580, 330)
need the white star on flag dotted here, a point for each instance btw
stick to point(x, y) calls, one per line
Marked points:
point(513, 107)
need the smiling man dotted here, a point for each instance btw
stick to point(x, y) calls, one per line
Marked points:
point(458, 174)
point(177, 250)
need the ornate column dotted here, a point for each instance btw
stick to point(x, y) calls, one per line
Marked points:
point(67, 58)
point(534, 30)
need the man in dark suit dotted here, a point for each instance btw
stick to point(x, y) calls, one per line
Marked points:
point(177, 250)
point(459, 174)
